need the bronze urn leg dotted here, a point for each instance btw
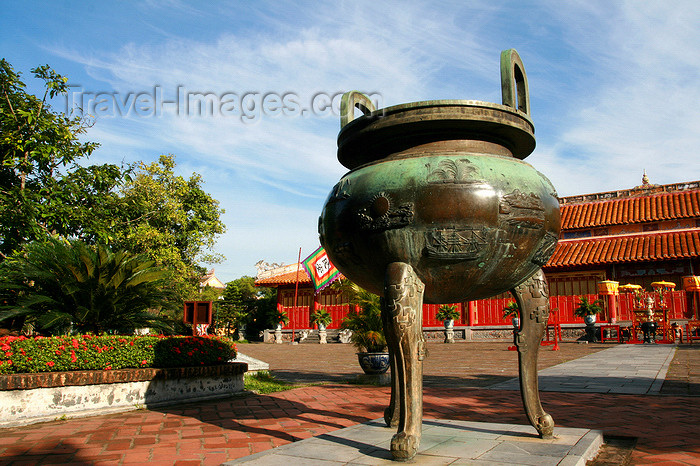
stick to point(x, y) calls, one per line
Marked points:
point(533, 301)
point(391, 413)
point(403, 316)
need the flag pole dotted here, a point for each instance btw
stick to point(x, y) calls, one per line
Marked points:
point(296, 291)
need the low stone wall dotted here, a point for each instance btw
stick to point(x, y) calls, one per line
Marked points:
point(570, 332)
point(492, 333)
point(29, 398)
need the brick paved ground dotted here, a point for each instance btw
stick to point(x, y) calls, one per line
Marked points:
point(477, 364)
point(217, 431)
point(683, 377)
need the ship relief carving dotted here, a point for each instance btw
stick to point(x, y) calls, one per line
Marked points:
point(452, 171)
point(455, 244)
point(545, 250)
point(522, 210)
point(380, 214)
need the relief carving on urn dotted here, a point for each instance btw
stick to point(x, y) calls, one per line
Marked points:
point(439, 207)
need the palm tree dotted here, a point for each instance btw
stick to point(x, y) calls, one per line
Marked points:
point(69, 286)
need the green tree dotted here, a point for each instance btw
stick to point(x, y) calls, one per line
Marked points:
point(44, 191)
point(88, 203)
point(169, 218)
point(35, 144)
point(245, 303)
point(67, 285)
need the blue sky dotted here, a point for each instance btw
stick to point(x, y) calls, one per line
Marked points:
point(614, 89)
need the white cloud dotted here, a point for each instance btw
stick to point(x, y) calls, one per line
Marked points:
point(635, 112)
point(613, 87)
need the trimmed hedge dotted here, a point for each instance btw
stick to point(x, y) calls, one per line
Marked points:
point(107, 352)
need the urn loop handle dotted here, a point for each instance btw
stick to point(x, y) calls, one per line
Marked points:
point(514, 90)
point(349, 101)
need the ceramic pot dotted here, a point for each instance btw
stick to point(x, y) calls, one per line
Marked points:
point(589, 319)
point(373, 363)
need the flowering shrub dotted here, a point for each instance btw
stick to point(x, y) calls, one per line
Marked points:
point(89, 352)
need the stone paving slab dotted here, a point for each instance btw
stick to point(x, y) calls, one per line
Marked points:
point(448, 442)
point(253, 364)
point(624, 369)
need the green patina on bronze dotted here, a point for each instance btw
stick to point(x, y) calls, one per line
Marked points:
point(483, 204)
point(439, 207)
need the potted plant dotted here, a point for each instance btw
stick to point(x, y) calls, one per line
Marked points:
point(321, 318)
point(282, 319)
point(512, 310)
point(589, 311)
point(447, 314)
point(367, 329)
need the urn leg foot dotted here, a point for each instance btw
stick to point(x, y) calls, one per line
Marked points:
point(402, 316)
point(533, 301)
point(404, 446)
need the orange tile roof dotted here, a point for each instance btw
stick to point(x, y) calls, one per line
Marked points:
point(654, 208)
point(660, 245)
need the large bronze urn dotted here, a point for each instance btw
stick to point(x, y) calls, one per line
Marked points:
point(439, 206)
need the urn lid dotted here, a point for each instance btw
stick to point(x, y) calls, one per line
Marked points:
point(379, 133)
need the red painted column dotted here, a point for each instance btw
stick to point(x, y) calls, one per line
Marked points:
point(691, 285)
point(608, 290)
point(612, 305)
point(471, 314)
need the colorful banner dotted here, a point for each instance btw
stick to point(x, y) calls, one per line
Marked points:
point(320, 269)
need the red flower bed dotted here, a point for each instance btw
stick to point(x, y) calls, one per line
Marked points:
point(89, 352)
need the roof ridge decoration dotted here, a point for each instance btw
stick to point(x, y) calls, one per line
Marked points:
point(265, 270)
point(643, 190)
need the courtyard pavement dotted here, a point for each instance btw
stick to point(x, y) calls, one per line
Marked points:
point(461, 384)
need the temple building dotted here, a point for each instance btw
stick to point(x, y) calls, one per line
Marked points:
point(639, 236)
point(209, 279)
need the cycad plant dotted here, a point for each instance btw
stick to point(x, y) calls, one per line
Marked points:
point(588, 309)
point(68, 286)
point(511, 310)
point(321, 317)
point(447, 312)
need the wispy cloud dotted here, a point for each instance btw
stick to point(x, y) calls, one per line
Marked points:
point(613, 87)
point(637, 75)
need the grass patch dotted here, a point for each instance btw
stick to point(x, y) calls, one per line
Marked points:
point(262, 382)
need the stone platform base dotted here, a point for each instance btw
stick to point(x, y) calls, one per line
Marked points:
point(443, 442)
